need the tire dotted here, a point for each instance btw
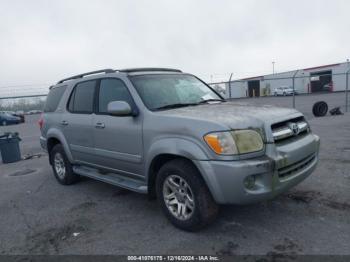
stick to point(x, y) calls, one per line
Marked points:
point(275, 94)
point(204, 209)
point(284, 94)
point(320, 109)
point(4, 123)
point(61, 166)
point(315, 109)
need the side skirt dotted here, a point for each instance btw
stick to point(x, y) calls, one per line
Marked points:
point(112, 178)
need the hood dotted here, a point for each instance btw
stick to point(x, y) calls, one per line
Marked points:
point(235, 115)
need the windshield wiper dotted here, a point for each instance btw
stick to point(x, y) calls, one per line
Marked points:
point(210, 100)
point(176, 106)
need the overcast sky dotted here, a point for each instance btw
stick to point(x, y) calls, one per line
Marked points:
point(44, 41)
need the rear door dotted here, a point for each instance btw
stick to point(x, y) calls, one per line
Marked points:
point(77, 122)
point(118, 139)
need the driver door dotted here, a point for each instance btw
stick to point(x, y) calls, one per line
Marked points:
point(118, 139)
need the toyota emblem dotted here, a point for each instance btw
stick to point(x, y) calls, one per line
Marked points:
point(295, 128)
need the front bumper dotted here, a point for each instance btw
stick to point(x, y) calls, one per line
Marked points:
point(283, 167)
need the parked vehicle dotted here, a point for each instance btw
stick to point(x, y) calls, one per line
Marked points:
point(7, 112)
point(20, 114)
point(32, 112)
point(327, 87)
point(168, 134)
point(7, 119)
point(283, 91)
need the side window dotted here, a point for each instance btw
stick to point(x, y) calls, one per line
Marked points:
point(53, 99)
point(82, 98)
point(112, 90)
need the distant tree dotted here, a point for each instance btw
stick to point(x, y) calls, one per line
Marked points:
point(23, 104)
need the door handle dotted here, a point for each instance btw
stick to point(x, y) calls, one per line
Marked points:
point(100, 125)
point(64, 123)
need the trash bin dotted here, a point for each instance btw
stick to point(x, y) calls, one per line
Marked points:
point(9, 148)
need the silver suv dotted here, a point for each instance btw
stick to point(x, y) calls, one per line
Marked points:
point(168, 134)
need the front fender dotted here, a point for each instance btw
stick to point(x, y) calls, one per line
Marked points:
point(55, 133)
point(176, 146)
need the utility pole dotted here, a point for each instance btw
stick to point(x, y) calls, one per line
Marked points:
point(294, 87)
point(229, 86)
point(273, 67)
point(347, 89)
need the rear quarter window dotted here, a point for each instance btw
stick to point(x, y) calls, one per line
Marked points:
point(53, 98)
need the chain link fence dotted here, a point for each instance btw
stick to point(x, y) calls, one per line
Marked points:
point(298, 89)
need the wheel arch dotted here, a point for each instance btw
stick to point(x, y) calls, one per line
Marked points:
point(156, 164)
point(167, 149)
point(55, 137)
point(51, 143)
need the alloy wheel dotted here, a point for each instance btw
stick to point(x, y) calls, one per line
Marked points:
point(60, 166)
point(178, 197)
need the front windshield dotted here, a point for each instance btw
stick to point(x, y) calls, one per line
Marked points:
point(158, 91)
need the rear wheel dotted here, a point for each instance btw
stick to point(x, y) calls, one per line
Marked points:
point(4, 123)
point(184, 197)
point(61, 166)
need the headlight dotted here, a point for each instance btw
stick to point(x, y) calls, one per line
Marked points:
point(248, 141)
point(221, 143)
point(235, 142)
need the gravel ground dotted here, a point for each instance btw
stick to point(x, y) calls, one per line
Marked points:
point(39, 216)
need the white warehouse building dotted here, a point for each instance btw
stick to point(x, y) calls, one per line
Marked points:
point(326, 78)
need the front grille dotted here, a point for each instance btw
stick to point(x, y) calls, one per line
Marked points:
point(296, 167)
point(289, 129)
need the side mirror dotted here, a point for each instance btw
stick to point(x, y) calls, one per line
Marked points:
point(119, 108)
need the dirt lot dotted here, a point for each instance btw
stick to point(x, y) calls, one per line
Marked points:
point(39, 216)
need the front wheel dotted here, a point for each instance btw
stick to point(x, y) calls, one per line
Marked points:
point(184, 197)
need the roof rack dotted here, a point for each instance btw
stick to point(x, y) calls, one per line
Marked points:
point(149, 69)
point(106, 71)
point(129, 70)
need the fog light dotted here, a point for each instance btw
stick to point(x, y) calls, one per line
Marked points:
point(249, 182)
